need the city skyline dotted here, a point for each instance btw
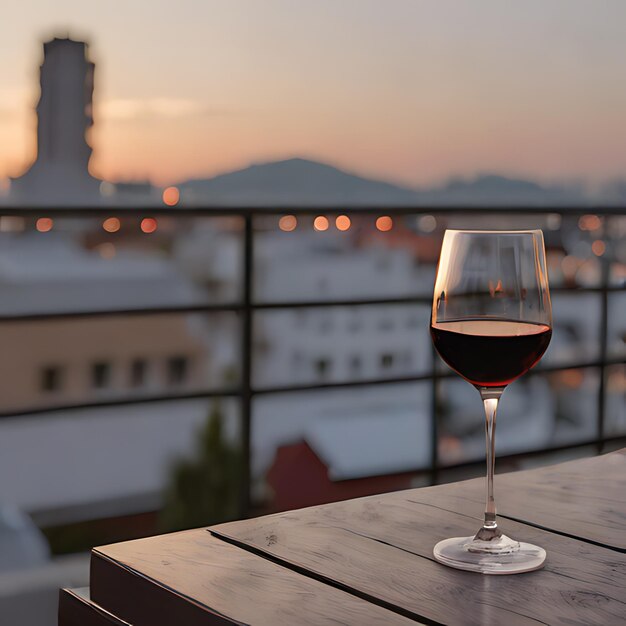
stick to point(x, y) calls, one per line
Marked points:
point(414, 94)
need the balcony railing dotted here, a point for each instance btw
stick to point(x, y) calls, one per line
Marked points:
point(247, 305)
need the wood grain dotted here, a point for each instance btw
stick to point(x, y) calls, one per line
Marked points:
point(382, 546)
point(77, 609)
point(192, 578)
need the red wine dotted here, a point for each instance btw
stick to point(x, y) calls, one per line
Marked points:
point(490, 353)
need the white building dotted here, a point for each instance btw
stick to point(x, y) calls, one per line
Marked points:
point(337, 343)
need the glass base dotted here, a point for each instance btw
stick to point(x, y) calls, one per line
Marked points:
point(507, 557)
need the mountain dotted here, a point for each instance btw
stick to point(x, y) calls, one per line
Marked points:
point(492, 189)
point(294, 182)
point(301, 182)
point(492, 183)
point(613, 192)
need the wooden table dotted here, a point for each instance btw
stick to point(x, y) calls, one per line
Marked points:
point(369, 561)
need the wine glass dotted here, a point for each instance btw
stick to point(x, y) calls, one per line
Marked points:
point(491, 322)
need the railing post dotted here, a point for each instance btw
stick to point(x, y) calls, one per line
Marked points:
point(605, 268)
point(434, 406)
point(246, 362)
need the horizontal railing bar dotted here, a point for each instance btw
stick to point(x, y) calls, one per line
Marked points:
point(283, 389)
point(560, 367)
point(214, 308)
point(235, 393)
point(342, 384)
point(258, 211)
point(545, 369)
point(237, 307)
point(116, 402)
point(145, 311)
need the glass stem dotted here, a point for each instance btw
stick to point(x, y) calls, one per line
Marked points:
point(490, 399)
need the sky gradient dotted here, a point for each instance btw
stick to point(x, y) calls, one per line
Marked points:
point(413, 91)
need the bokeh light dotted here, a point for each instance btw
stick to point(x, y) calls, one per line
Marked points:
point(44, 224)
point(171, 196)
point(598, 247)
point(111, 224)
point(342, 222)
point(553, 221)
point(107, 189)
point(571, 378)
point(589, 222)
point(148, 225)
point(569, 266)
point(384, 223)
point(427, 223)
point(320, 223)
point(287, 223)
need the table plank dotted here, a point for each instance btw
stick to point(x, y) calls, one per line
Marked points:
point(192, 578)
point(583, 498)
point(77, 609)
point(382, 546)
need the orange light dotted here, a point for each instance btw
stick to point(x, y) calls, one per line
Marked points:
point(111, 224)
point(598, 247)
point(148, 225)
point(44, 224)
point(171, 196)
point(384, 223)
point(320, 223)
point(589, 222)
point(572, 378)
point(342, 222)
point(287, 223)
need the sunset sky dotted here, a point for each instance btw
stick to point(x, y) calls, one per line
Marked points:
point(408, 90)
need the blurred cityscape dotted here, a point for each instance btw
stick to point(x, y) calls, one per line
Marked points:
point(124, 305)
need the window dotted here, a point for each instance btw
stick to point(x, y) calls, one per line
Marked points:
point(100, 375)
point(138, 371)
point(51, 376)
point(386, 361)
point(322, 367)
point(177, 367)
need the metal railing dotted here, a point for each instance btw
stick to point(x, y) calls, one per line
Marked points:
point(246, 306)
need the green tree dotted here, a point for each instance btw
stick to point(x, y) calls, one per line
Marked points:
point(204, 489)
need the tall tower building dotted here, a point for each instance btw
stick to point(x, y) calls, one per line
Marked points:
point(59, 174)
